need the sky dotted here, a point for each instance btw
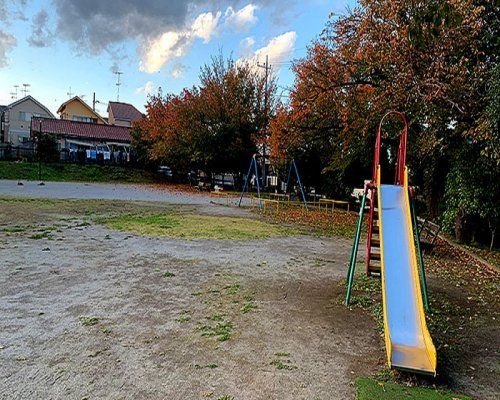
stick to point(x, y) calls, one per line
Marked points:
point(63, 48)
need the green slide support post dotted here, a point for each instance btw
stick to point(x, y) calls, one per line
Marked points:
point(423, 281)
point(354, 251)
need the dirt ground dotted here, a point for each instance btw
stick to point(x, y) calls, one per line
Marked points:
point(90, 313)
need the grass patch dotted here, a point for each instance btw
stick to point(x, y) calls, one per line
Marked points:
point(15, 229)
point(368, 389)
point(168, 274)
point(42, 235)
point(73, 172)
point(193, 226)
point(222, 330)
point(247, 307)
point(282, 365)
point(89, 321)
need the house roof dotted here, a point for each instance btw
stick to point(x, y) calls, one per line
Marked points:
point(62, 107)
point(75, 129)
point(29, 97)
point(124, 111)
point(2, 108)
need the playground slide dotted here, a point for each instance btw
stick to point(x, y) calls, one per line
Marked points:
point(408, 343)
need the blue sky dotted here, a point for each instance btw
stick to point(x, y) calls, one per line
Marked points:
point(57, 44)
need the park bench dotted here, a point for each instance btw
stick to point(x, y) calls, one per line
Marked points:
point(428, 232)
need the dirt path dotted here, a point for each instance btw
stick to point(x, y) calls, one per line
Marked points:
point(82, 190)
point(99, 314)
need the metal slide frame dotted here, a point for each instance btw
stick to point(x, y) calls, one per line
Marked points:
point(408, 355)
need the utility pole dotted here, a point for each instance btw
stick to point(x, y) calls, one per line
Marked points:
point(94, 102)
point(118, 84)
point(267, 68)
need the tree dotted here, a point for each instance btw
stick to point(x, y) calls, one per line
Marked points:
point(428, 59)
point(216, 126)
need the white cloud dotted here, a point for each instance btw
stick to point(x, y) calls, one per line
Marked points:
point(160, 51)
point(177, 70)
point(174, 44)
point(243, 18)
point(205, 25)
point(7, 43)
point(246, 46)
point(148, 88)
point(278, 49)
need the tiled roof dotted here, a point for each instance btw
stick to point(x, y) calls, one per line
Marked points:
point(66, 128)
point(124, 111)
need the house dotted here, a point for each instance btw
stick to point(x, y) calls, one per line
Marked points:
point(2, 109)
point(15, 120)
point(122, 114)
point(76, 135)
point(75, 109)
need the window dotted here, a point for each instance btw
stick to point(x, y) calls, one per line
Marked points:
point(24, 116)
point(84, 119)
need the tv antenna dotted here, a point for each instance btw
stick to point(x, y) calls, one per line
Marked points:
point(70, 93)
point(25, 89)
point(118, 84)
point(13, 95)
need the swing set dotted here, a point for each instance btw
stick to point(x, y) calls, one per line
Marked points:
point(254, 168)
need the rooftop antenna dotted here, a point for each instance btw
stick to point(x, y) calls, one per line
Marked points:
point(13, 95)
point(70, 93)
point(25, 89)
point(118, 84)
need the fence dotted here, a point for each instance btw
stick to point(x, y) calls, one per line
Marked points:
point(30, 154)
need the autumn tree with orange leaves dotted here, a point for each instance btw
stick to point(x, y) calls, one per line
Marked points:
point(429, 59)
point(215, 127)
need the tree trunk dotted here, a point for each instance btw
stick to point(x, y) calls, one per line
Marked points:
point(461, 226)
point(493, 228)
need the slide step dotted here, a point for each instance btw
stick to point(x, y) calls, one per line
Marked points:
point(375, 256)
point(375, 242)
point(375, 269)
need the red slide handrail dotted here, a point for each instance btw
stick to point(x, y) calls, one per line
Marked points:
point(401, 160)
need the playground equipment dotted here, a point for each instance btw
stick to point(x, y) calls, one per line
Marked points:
point(393, 251)
point(278, 197)
point(293, 165)
point(253, 164)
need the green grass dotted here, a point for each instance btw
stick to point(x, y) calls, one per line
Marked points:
point(193, 226)
point(283, 365)
point(369, 389)
point(248, 307)
point(222, 331)
point(72, 172)
point(89, 321)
